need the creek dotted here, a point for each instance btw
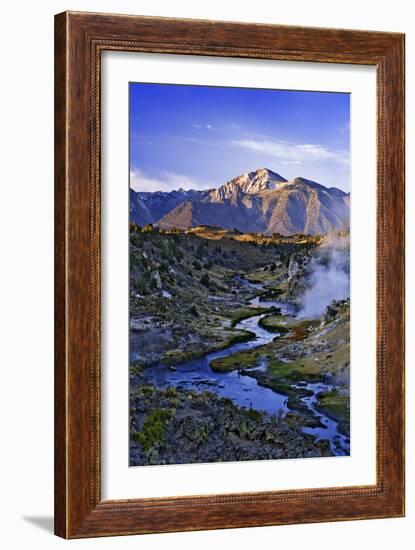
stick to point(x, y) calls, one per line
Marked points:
point(244, 391)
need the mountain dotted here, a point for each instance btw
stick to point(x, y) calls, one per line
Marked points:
point(260, 201)
point(251, 183)
point(150, 207)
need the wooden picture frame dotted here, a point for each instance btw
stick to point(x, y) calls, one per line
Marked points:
point(79, 40)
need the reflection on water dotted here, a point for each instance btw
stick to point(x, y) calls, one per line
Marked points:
point(196, 374)
point(339, 443)
point(244, 391)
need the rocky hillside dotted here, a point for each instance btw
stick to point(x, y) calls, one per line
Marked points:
point(260, 201)
point(196, 269)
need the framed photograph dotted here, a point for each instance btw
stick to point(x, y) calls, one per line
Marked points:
point(229, 277)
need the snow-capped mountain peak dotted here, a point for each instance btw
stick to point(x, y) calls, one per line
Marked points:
point(251, 183)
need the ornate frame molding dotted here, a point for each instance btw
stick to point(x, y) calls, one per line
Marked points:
point(79, 40)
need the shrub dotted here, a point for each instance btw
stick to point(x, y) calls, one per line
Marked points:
point(149, 228)
point(136, 239)
point(164, 267)
point(254, 415)
point(136, 369)
point(205, 280)
point(153, 429)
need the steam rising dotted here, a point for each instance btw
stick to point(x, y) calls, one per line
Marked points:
point(329, 276)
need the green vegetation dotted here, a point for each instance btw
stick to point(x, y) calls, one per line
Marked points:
point(205, 280)
point(292, 329)
point(237, 337)
point(271, 294)
point(136, 369)
point(337, 406)
point(153, 429)
point(183, 426)
point(274, 323)
point(245, 313)
point(176, 356)
point(254, 415)
point(189, 290)
point(324, 352)
point(238, 361)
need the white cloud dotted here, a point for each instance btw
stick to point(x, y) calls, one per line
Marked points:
point(165, 181)
point(202, 126)
point(292, 162)
point(294, 153)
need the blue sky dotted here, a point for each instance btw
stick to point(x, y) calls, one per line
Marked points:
point(200, 137)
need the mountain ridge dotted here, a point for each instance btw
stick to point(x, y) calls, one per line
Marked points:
point(257, 201)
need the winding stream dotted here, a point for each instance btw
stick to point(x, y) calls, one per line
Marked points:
point(196, 374)
point(245, 391)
